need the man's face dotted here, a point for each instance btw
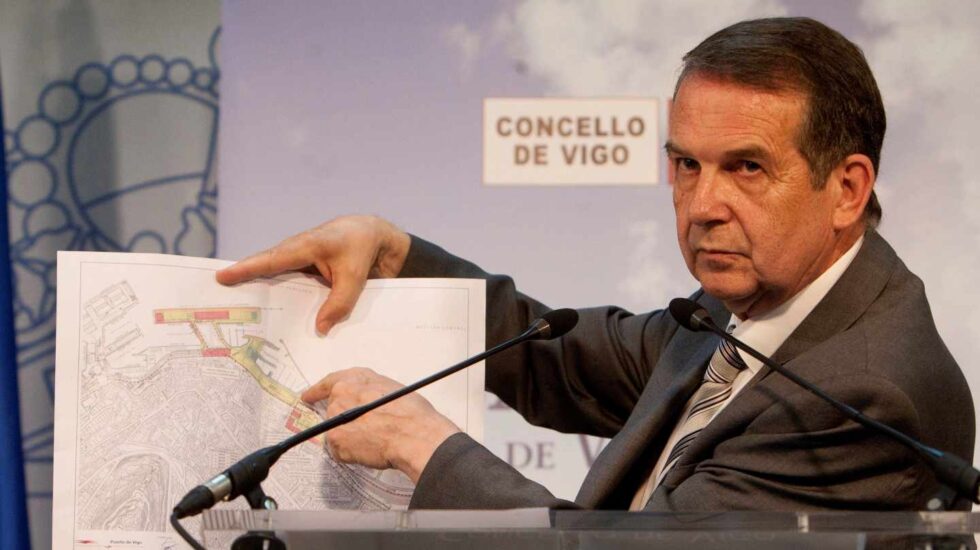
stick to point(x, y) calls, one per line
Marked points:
point(751, 227)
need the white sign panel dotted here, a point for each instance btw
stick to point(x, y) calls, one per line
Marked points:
point(565, 141)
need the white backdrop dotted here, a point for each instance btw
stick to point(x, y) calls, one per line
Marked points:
point(337, 107)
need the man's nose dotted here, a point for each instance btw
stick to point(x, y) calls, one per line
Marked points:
point(710, 199)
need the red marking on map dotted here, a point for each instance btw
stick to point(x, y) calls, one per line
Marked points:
point(291, 421)
point(216, 352)
point(211, 315)
point(158, 317)
point(291, 426)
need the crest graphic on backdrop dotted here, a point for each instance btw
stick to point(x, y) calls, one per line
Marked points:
point(120, 157)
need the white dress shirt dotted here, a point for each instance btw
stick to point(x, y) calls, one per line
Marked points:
point(766, 333)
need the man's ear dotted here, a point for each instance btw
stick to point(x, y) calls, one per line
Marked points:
point(853, 181)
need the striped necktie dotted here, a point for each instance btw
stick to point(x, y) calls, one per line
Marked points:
point(715, 390)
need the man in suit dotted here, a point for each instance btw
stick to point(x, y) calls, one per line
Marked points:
point(775, 136)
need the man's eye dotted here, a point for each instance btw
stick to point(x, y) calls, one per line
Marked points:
point(687, 164)
point(749, 167)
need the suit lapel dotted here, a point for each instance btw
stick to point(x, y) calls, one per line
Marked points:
point(629, 457)
point(844, 304)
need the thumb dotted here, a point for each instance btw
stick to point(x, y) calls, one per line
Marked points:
point(344, 292)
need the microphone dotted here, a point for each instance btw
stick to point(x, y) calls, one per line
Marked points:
point(689, 314)
point(951, 470)
point(554, 324)
point(246, 474)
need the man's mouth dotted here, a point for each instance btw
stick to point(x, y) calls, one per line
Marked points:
point(718, 252)
point(718, 258)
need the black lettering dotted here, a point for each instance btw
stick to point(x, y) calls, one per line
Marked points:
point(599, 155)
point(511, 458)
point(564, 126)
point(540, 155)
point(599, 132)
point(636, 126)
point(545, 458)
point(620, 154)
point(524, 127)
point(569, 152)
point(591, 447)
point(521, 154)
point(545, 126)
point(500, 126)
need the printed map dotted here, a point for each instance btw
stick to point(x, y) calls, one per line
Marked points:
point(170, 394)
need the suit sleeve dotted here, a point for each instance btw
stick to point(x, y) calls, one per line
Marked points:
point(585, 382)
point(464, 475)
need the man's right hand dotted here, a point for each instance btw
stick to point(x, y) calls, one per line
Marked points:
point(345, 251)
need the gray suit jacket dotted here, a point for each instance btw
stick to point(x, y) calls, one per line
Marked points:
point(871, 342)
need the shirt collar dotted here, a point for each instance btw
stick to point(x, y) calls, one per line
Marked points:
point(767, 332)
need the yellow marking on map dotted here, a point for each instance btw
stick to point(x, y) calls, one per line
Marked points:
point(237, 315)
point(302, 416)
point(245, 355)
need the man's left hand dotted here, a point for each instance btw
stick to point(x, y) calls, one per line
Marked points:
point(402, 434)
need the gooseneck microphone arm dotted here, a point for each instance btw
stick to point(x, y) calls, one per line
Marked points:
point(245, 475)
point(950, 470)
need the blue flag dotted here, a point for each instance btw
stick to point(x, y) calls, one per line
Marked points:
point(13, 502)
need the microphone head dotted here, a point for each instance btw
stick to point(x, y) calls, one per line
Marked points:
point(689, 314)
point(560, 321)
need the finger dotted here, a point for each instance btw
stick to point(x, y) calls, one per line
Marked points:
point(286, 256)
point(337, 451)
point(321, 390)
point(347, 286)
